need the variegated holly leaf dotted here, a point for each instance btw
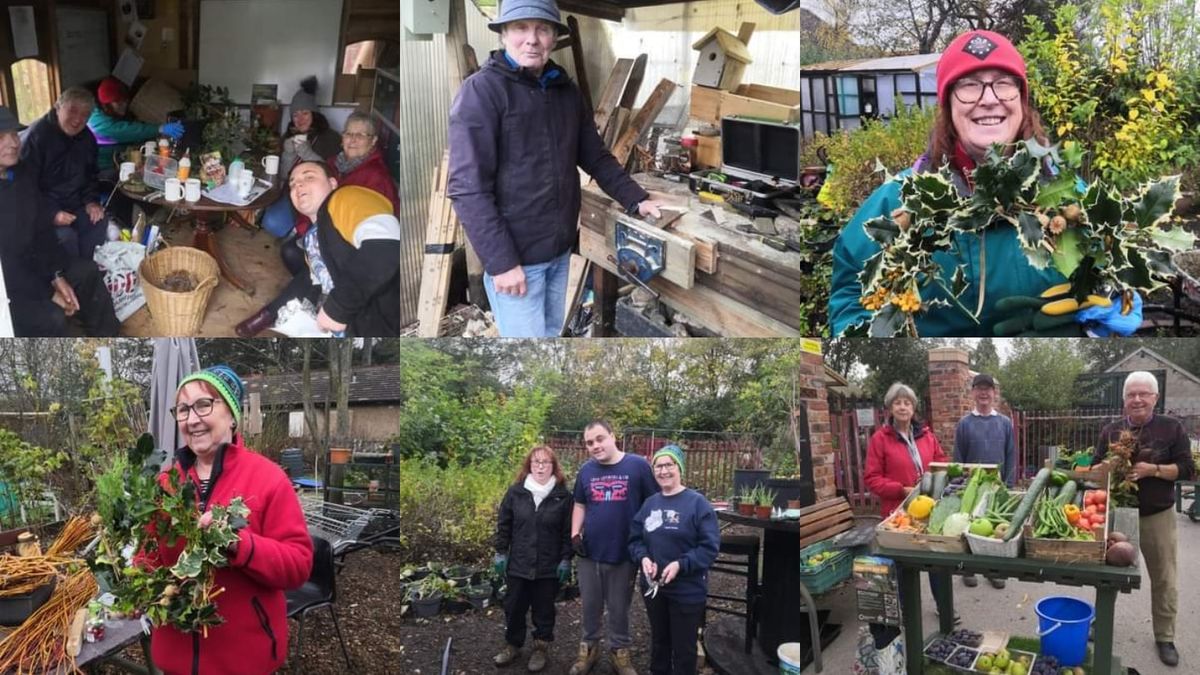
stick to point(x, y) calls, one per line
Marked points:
point(958, 283)
point(970, 219)
point(871, 271)
point(929, 193)
point(882, 230)
point(1155, 201)
point(1174, 239)
point(888, 322)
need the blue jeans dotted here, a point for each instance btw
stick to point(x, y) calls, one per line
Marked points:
point(538, 313)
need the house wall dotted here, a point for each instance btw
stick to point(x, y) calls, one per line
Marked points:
point(1182, 392)
point(367, 423)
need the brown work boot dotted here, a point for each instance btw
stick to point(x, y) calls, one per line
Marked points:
point(537, 657)
point(588, 653)
point(506, 656)
point(622, 662)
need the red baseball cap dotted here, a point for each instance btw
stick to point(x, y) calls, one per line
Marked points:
point(112, 90)
point(977, 50)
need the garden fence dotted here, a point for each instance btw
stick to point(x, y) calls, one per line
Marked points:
point(711, 456)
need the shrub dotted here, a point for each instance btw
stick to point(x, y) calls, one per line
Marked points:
point(449, 511)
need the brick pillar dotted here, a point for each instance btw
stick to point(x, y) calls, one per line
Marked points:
point(949, 392)
point(810, 382)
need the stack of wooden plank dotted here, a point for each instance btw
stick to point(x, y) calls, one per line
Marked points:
point(441, 233)
point(824, 520)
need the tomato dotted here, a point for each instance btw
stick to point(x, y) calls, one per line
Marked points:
point(1083, 523)
point(1090, 511)
point(1087, 499)
point(1101, 495)
point(1100, 507)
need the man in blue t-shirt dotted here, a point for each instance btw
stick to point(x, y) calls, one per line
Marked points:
point(609, 491)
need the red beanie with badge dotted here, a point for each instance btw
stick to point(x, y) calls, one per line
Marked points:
point(112, 90)
point(977, 50)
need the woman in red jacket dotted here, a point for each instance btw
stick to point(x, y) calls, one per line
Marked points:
point(899, 453)
point(361, 162)
point(273, 552)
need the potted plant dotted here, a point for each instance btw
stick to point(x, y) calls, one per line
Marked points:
point(479, 596)
point(425, 597)
point(454, 598)
point(460, 575)
point(764, 501)
point(746, 499)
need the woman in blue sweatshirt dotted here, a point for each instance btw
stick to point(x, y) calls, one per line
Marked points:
point(674, 538)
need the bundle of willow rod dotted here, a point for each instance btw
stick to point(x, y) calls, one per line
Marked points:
point(77, 532)
point(40, 644)
point(20, 575)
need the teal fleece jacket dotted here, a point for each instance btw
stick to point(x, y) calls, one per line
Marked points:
point(1008, 272)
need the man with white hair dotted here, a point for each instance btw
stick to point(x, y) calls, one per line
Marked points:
point(1162, 454)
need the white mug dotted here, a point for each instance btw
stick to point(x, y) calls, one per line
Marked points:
point(245, 183)
point(149, 148)
point(172, 190)
point(271, 164)
point(127, 170)
point(191, 190)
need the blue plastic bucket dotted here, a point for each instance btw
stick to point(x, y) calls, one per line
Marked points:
point(1063, 627)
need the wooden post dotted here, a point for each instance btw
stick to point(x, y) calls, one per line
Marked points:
point(577, 56)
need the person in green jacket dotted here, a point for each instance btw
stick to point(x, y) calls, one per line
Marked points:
point(113, 131)
point(983, 99)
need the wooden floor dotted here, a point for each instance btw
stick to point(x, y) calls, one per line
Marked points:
point(254, 256)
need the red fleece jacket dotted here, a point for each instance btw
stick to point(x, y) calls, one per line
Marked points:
point(890, 468)
point(274, 554)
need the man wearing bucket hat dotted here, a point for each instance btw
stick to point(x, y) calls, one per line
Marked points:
point(983, 100)
point(519, 132)
point(674, 540)
point(1160, 455)
point(43, 286)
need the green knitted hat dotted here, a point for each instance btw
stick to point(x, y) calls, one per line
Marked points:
point(672, 451)
point(225, 381)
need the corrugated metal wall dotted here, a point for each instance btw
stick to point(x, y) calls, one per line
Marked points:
point(664, 33)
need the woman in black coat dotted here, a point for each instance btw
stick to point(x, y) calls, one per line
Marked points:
point(533, 553)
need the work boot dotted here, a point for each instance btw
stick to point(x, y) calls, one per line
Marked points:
point(997, 583)
point(970, 581)
point(622, 662)
point(537, 657)
point(256, 324)
point(1167, 653)
point(588, 653)
point(506, 656)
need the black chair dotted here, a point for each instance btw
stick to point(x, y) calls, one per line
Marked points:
point(745, 547)
point(319, 591)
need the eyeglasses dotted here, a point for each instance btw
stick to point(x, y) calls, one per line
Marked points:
point(356, 136)
point(665, 468)
point(1140, 394)
point(542, 462)
point(970, 91)
point(203, 407)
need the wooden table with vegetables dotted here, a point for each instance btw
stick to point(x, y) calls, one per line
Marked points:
point(962, 519)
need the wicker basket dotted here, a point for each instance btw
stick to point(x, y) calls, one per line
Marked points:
point(178, 314)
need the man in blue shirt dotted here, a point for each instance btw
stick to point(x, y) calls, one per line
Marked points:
point(984, 436)
point(609, 491)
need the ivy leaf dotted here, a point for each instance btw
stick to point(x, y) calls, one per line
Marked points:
point(1156, 201)
point(1067, 255)
point(888, 322)
point(1174, 239)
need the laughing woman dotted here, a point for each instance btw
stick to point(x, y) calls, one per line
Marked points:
point(273, 552)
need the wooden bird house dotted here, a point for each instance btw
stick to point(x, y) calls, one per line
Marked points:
point(723, 58)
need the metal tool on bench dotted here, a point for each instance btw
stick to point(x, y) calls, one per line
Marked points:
point(640, 255)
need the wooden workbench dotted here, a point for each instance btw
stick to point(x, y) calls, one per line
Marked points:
point(740, 288)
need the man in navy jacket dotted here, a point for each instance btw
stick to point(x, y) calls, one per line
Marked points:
point(519, 132)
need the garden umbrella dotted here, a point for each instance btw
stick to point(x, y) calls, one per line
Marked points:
point(174, 359)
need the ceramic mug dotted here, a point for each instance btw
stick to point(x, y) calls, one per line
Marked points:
point(191, 190)
point(245, 183)
point(148, 148)
point(127, 170)
point(271, 164)
point(172, 190)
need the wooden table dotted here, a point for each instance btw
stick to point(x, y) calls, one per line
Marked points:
point(1107, 581)
point(781, 616)
point(118, 634)
point(203, 212)
point(741, 287)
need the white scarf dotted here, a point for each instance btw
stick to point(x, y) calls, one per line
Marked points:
point(539, 491)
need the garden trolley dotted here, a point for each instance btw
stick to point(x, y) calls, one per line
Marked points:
point(1107, 581)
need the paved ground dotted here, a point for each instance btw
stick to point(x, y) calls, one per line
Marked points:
point(1011, 609)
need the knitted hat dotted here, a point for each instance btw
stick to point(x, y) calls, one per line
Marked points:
point(111, 90)
point(222, 378)
point(516, 10)
point(672, 451)
point(976, 50)
point(306, 98)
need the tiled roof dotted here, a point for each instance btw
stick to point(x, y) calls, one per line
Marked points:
point(371, 384)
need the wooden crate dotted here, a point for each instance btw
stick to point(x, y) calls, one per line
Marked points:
point(1058, 550)
point(708, 151)
point(763, 102)
point(910, 541)
point(824, 520)
point(1097, 473)
point(706, 105)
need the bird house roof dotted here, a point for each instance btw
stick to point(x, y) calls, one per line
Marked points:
point(728, 42)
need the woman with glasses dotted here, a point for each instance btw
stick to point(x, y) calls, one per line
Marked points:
point(674, 539)
point(533, 553)
point(983, 100)
point(273, 552)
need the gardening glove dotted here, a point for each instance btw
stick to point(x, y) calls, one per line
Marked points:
point(172, 129)
point(500, 565)
point(1052, 314)
point(1118, 318)
point(564, 572)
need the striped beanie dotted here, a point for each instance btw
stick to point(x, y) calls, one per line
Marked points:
point(672, 451)
point(222, 378)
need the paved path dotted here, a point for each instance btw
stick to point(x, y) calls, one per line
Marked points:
point(1011, 609)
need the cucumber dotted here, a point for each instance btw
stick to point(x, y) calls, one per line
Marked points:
point(939, 484)
point(1026, 505)
point(1067, 494)
point(927, 484)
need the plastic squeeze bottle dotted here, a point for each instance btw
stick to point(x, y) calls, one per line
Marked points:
point(185, 166)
